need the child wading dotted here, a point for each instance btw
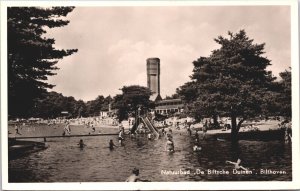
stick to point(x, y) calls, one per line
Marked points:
point(81, 144)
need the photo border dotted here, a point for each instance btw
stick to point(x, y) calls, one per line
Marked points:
point(207, 185)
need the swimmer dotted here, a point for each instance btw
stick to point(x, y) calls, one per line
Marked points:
point(112, 145)
point(163, 132)
point(170, 145)
point(197, 148)
point(169, 136)
point(134, 177)
point(81, 144)
point(197, 139)
point(237, 164)
point(132, 135)
point(204, 129)
point(189, 130)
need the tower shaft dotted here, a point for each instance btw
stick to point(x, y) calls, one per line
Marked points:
point(153, 75)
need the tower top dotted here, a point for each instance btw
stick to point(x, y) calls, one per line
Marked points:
point(153, 58)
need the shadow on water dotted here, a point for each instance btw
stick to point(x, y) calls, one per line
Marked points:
point(64, 161)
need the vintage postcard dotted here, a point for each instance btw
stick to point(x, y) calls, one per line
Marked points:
point(149, 95)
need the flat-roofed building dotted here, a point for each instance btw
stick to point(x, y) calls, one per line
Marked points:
point(168, 106)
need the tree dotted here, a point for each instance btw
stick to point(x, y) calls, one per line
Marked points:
point(231, 82)
point(132, 98)
point(174, 96)
point(286, 94)
point(52, 104)
point(31, 56)
point(94, 107)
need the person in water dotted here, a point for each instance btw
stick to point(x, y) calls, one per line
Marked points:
point(189, 130)
point(121, 138)
point(67, 129)
point(17, 130)
point(197, 139)
point(170, 145)
point(163, 132)
point(134, 177)
point(81, 144)
point(112, 145)
point(237, 164)
point(196, 147)
point(204, 129)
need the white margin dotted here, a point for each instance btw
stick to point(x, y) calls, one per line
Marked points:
point(243, 185)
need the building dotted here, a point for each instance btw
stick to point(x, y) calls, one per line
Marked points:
point(153, 78)
point(108, 113)
point(169, 106)
point(163, 107)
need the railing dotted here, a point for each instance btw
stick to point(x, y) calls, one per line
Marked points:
point(61, 136)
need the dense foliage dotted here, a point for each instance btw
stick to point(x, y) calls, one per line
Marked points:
point(232, 82)
point(53, 104)
point(31, 56)
point(132, 98)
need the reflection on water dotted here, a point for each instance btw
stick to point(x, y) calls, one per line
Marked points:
point(64, 161)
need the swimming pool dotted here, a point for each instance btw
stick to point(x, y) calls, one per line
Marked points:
point(64, 161)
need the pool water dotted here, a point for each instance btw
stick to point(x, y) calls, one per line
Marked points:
point(64, 161)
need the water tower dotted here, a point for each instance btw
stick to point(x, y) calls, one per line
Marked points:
point(153, 76)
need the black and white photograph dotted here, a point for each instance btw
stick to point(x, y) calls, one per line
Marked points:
point(167, 94)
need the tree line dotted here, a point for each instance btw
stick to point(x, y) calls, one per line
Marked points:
point(52, 104)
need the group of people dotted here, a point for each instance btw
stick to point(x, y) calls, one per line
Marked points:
point(170, 142)
point(134, 177)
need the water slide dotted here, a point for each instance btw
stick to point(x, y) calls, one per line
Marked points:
point(148, 124)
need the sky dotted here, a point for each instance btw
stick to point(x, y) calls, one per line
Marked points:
point(114, 42)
